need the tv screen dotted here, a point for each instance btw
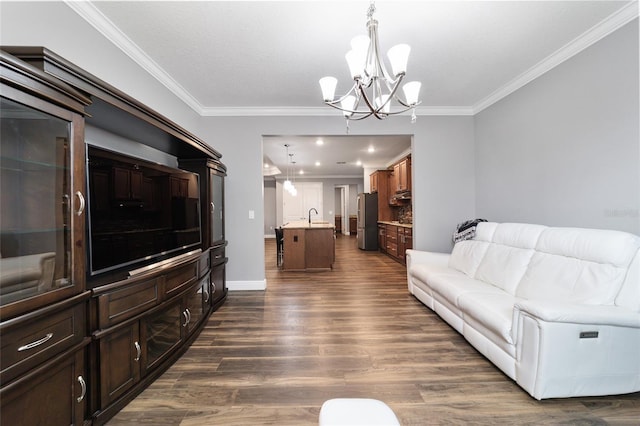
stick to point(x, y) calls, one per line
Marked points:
point(139, 212)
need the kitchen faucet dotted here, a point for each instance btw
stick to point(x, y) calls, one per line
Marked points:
point(310, 214)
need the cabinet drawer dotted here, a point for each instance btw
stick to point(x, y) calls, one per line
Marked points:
point(392, 248)
point(217, 255)
point(28, 344)
point(118, 305)
point(392, 233)
point(179, 278)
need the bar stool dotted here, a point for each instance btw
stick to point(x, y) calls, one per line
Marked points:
point(279, 247)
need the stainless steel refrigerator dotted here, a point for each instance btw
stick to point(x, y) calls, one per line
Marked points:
point(368, 221)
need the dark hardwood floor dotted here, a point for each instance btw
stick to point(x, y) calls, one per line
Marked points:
point(274, 357)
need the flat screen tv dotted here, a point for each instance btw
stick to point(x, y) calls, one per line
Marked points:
point(139, 212)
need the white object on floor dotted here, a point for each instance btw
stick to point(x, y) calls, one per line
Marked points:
point(356, 412)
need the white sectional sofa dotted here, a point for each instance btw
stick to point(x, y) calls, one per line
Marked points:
point(556, 309)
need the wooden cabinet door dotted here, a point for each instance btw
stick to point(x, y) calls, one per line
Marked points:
point(42, 175)
point(160, 333)
point(197, 304)
point(54, 394)
point(401, 245)
point(218, 284)
point(120, 354)
point(382, 238)
point(373, 182)
point(396, 179)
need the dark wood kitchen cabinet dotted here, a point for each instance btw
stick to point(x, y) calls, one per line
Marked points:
point(397, 239)
point(212, 174)
point(402, 175)
point(137, 335)
point(127, 184)
point(76, 347)
point(42, 269)
point(383, 182)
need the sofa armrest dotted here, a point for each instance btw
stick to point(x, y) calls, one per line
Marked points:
point(429, 257)
point(565, 349)
point(563, 312)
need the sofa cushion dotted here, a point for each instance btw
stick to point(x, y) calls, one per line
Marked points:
point(485, 231)
point(425, 273)
point(578, 265)
point(504, 266)
point(508, 255)
point(451, 287)
point(467, 255)
point(521, 235)
point(491, 315)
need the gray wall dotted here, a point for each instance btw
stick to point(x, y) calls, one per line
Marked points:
point(573, 130)
point(564, 150)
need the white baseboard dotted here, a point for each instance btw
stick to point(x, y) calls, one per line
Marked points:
point(246, 285)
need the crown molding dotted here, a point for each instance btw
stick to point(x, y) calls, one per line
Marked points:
point(613, 22)
point(318, 111)
point(102, 24)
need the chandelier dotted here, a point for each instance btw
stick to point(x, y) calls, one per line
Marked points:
point(374, 88)
point(288, 185)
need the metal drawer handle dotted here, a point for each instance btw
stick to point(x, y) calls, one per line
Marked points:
point(83, 385)
point(189, 315)
point(218, 256)
point(186, 318)
point(138, 351)
point(36, 343)
point(213, 286)
point(206, 295)
point(81, 199)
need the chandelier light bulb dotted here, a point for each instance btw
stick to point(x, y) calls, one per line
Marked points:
point(411, 92)
point(347, 105)
point(398, 57)
point(328, 86)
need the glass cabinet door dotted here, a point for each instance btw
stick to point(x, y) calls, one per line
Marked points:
point(37, 198)
point(217, 210)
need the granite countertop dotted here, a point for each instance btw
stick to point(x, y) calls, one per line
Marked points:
point(298, 224)
point(396, 223)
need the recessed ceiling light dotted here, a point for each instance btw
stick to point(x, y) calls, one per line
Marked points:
point(319, 142)
point(266, 165)
point(358, 163)
point(301, 172)
point(371, 149)
point(317, 163)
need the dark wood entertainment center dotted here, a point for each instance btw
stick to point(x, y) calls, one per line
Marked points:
point(76, 349)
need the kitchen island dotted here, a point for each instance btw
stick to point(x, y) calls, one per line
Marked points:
point(308, 246)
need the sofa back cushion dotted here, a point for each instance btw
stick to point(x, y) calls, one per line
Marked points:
point(467, 255)
point(578, 265)
point(509, 252)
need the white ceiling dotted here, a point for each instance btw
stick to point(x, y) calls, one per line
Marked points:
point(265, 57)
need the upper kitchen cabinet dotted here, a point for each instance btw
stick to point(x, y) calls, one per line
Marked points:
point(402, 175)
point(42, 177)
